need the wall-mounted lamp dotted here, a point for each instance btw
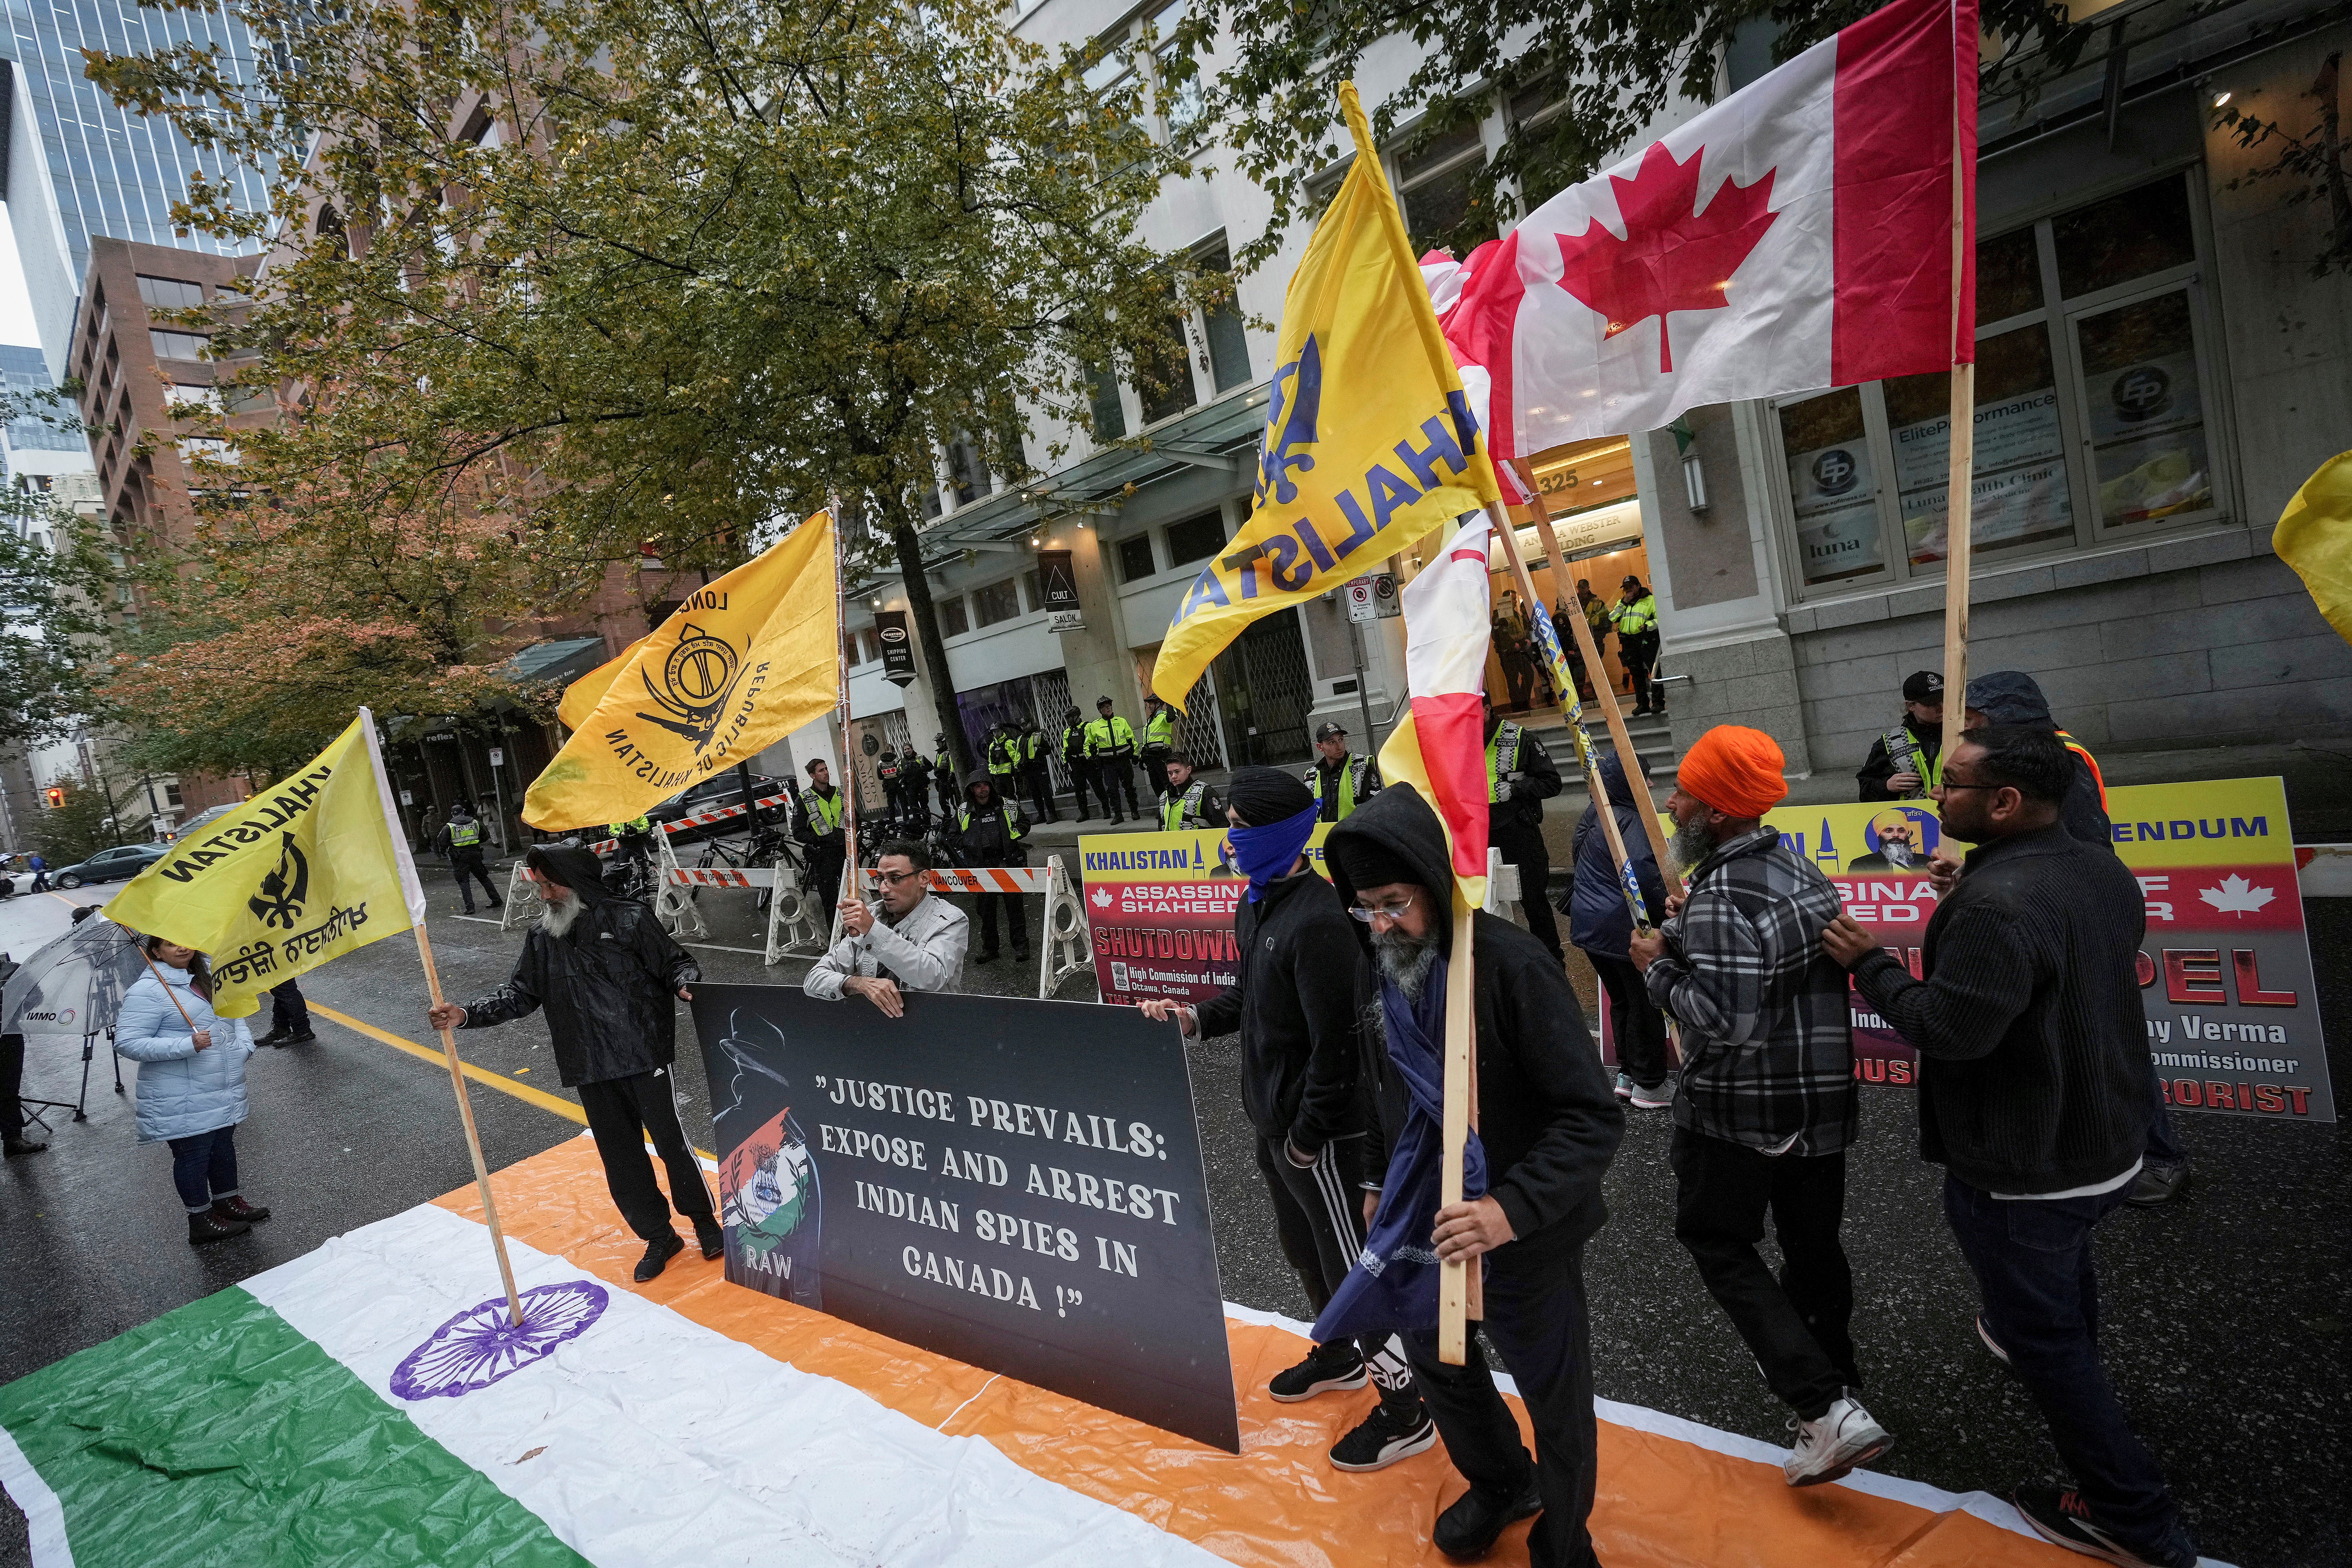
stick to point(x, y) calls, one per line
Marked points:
point(2220, 99)
point(1695, 481)
point(1035, 542)
point(878, 604)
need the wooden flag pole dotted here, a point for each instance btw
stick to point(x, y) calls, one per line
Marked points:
point(473, 1136)
point(1558, 565)
point(1958, 520)
point(1460, 1017)
point(1601, 810)
point(848, 785)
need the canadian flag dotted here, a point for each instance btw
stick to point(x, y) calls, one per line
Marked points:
point(1797, 234)
point(1441, 750)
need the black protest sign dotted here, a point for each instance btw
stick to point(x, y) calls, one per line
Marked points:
point(1017, 1185)
point(898, 647)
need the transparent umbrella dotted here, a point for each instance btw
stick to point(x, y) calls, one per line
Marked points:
point(73, 987)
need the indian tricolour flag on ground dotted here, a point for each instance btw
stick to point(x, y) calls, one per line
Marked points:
point(360, 1406)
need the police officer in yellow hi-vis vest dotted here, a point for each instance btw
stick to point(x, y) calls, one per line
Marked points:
point(1635, 617)
point(1110, 747)
point(1003, 761)
point(1520, 776)
point(1187, 802)
point(943, 774)
point(1073, 741)
point(1159, 740)
point(1341, 782)
point(461, 839)
point(1036, 771)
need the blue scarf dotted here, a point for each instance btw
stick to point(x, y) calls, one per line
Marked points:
point(1393, 1285)
point(1267, 853)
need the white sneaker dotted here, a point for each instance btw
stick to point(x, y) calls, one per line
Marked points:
point(1656, 1098)
point(1829, 1449)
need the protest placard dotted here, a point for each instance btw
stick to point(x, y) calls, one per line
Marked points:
point(1161, 910)
point(1017, 1185)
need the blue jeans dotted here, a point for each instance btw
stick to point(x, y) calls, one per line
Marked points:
point(2163, 1146)
point(2032, 1258)
point(204, 1167)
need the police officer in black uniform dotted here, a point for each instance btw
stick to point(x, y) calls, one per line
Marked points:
point(990, 832)
point(915, 777)
point(1073, 741)
point(1037, 771)
point(1519, 778)
point(1905, 762)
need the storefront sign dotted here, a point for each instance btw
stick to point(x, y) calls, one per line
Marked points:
point(1057, 579)
point(1161, 908)
point(1581, 533)
point(2224, 969)
point(1017, 1185)
point(1835, 495)
point(2017, 489)
point(898, 647)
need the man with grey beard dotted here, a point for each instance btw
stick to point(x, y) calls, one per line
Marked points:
point(1766, 1106)
point(1547, 1126)
point(605, 970)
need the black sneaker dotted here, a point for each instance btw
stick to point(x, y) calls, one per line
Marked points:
point(1392, 1432)
point(1327, 1367)
point(2063, 1517)
point(709, 1236)
point(657, 1257)
point(275, 1037)
point(304, 1036)
point(2157, 1184)
point(1476, 1521)
point(206, 1226)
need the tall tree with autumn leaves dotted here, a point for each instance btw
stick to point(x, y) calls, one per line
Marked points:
point(674, 270)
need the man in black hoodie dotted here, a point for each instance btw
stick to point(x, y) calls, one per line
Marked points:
point(1295, 1006)
point(1549, 1126)
point(605, 970)
point(2033, 1097)
point(2013, 697)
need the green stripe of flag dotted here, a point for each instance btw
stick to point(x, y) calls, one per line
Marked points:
point(219, 1434)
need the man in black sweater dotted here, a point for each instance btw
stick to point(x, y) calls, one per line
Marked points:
point(1549, 1126)
point(2033, 1096)
point(1295, 1006)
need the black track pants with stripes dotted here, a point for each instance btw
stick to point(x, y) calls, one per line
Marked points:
point(1318, 1212)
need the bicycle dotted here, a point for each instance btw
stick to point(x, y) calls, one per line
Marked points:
point(767, 847)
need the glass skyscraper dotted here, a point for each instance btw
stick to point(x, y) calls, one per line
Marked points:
point(78, 165)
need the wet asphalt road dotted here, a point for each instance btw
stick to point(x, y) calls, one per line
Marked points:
point(2225, 1317)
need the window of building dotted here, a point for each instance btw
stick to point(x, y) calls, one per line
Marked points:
point(1164, 369)
point(172, 796)
point(953, 621)
point(2093, 343)
point(970, 472)
point(1228, 364)
point(997, 602)
point(1110, 416)
point(177, 346)
point(1135, 561)
point(1547, 165)
point(1181, 106)
point(195, 392)
point(1195, 538)
point(170, 293)
point(1435, 184)
point(872, 642)
point(1032, 590)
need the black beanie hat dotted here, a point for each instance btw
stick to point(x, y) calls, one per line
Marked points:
point(1267, 795)
point(1366, 862)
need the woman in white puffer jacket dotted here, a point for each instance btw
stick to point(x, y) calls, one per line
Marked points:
point(191, 1085)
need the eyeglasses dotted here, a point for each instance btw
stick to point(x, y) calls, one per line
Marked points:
point(897, 878)
point(1948, 784)
point(1382, 912)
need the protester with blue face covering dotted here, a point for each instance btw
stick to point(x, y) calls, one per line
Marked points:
point(1548, 1126)
point(1293, 1004)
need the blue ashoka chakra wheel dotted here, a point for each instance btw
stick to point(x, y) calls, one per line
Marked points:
point(479, 1345)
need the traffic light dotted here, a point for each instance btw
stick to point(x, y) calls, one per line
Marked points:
point(57, 795)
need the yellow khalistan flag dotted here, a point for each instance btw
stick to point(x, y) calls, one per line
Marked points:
point(749, 658)
point(1369, 441)
point(2315, 537)
point(580, 697)
point(306, 871)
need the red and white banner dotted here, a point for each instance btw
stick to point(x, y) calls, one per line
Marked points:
point(1797, 235)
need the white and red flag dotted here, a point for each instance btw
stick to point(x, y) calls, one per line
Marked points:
point(1797, 234)
point(1441, 749)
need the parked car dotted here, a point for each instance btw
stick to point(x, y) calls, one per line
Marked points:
point(711, 793)
point(206, 817)
point(110, 865)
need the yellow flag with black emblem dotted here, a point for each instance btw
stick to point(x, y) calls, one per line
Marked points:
point(306, 871)
point(1370, 443)
point(747, 659)
point(580, 697)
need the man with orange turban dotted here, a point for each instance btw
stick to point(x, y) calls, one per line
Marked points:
point(1766, 1106)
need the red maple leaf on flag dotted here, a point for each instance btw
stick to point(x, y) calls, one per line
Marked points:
point(1672, 257)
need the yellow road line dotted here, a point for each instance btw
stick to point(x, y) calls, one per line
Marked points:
point(483, 1076)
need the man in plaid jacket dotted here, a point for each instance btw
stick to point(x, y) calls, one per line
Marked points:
point(1765, 1106)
